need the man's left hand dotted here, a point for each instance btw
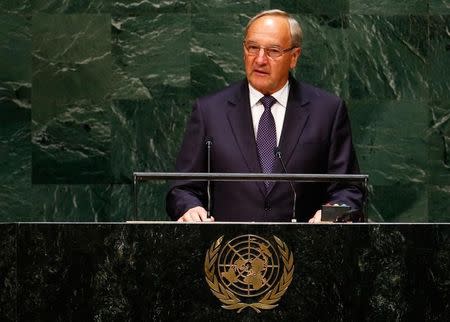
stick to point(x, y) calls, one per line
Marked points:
point(316, 218)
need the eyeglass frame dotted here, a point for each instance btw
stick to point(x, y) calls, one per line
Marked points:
point(282, 51)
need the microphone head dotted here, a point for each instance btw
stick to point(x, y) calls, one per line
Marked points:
point(277, 152)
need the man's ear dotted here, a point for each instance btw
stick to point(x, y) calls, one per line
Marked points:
point(295, 57)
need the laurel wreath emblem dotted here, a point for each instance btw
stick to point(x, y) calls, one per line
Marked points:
point(230, 300)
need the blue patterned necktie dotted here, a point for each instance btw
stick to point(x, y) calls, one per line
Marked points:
point(266, 139)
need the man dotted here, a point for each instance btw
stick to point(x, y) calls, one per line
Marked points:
point(247, 120)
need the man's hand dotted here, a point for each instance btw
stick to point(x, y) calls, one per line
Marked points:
point(196, 214)
point(316, 218)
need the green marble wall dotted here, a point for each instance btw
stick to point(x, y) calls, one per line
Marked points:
point(91, 91)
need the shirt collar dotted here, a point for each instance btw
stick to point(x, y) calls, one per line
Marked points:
point(281, 95)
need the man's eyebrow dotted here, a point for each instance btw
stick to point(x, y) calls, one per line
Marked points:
point(252, 42)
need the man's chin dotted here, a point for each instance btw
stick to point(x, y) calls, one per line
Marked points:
point(260, 86)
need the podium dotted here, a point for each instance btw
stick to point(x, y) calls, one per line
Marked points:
point(157, 272)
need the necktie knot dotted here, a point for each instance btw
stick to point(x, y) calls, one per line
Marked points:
point(268, 101)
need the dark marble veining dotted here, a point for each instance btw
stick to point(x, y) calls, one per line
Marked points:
point(438, 52)
point(71, 6)
point(150, 52)
point(325, 61)
point(15, 115)
point(389, 57)
point(156, 272)
point(132, 8)
point(391, 139)
point(14, 7)
point(399, 7)
point(8, 272)
point(439, 7)
point(74, 146)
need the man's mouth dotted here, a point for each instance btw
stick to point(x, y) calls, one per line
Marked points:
point(260, 72)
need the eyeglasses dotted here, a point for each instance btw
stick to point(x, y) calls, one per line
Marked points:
point(272, 52)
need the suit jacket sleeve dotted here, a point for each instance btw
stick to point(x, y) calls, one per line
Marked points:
point(184, 195)
point(342, 160)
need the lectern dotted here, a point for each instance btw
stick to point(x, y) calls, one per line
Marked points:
point(165, 271)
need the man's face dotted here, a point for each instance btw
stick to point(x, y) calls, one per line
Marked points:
point(265, 74)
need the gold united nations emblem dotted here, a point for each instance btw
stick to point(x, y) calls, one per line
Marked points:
point(249, 272)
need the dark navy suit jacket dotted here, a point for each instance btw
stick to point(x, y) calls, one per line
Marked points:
point(316, 138)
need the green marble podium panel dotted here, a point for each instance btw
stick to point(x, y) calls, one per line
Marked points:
point(91, 91)
point(155, 272)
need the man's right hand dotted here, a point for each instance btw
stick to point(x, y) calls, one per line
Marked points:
point(196, 214)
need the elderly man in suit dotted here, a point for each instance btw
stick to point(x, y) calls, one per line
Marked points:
point(247, 120)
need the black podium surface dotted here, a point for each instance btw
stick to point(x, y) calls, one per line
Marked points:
point(157, 272)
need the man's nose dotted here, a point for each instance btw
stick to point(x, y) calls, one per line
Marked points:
point(261, 58)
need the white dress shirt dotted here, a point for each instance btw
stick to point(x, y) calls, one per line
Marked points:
point(278, 109)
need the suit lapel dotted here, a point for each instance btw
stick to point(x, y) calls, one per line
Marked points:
point(295, 119)
point(240, 119)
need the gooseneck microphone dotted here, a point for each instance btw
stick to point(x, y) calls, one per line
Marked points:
point(277, 153)
point(208, 143)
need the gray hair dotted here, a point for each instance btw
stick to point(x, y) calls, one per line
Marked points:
point(294, 26)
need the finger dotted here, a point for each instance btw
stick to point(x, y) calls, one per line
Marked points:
point(318, 216)
point(195, 216)
point(187, 217)
point(203, 214)
point(182, 218)
point(313, 220)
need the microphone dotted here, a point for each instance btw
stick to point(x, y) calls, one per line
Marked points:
point(277, 153)
point(208, 143)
